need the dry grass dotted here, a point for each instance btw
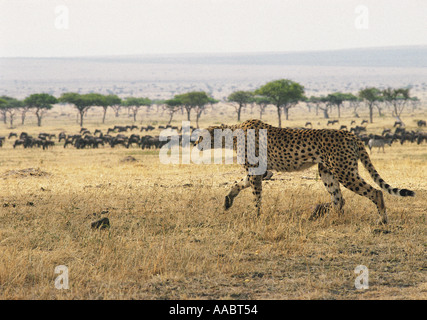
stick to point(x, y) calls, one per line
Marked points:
point(169, 237)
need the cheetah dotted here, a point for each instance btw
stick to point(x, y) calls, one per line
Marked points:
point(335, 152)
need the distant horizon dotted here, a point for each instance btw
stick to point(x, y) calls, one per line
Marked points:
point(219, 53)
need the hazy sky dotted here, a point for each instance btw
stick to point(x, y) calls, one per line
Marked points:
point(106, 27)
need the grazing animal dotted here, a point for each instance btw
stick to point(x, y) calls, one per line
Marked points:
point(357, 130)
point(421, 123)
point(335, 152)
point(386, 131)
point(422, 136)
point(378, 143)
point(62, 136)
point(398, 123)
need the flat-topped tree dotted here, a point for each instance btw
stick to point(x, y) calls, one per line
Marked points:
point(135, 103)
point(196, 100)
point(12, 107)
point(41, 103)
point(337, 99)
point(172, 106)
point(262, 102)
point(241, 98)
point(284, 94)
point(112, 101)
point(83, 102)
point(397, 98)
point(371, 96)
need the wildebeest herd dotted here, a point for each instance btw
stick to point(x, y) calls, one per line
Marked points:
point(388, 136)
point(86, 139)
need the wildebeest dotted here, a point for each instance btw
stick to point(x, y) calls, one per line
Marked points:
point(386, 131)
point(47, 143)
point(23, 135)
point(378, 143)
point(398, 123)
point(26, 142)
point(421, 136)
point(119, 139)
point(357, 130)
point(62, 136)
point(148, 142)
point(121, 128)
point(421, 123)
point(45, 136)
point(134, 138)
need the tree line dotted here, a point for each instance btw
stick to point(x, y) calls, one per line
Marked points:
point(284, 94)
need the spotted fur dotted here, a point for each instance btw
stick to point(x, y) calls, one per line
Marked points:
point(335, 152)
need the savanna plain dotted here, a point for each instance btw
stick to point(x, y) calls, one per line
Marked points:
point(169, 237)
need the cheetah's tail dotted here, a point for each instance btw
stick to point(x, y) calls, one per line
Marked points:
point(366, 161)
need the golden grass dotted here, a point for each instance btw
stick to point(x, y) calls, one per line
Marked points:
point(170, 239)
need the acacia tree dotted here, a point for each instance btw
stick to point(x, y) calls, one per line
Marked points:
point(24, 109)
point(336, 99)
point(135, 104)
point(172, 105)
point(184, 99)
point(414, 102)
point(317, 101)
point(196, 100)
point(83, 102)
point(41, 103)
point(354, 102)
point(109, 100)
point(114, 102)
point(8, 106)
point(397, 98)
point(242, 98)
point(283, 93)
point(262, 103)
point(13, 106)
point(371, 96)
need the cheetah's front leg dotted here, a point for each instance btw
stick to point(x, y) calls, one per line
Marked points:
point(235, 190)
point(239, 186)
point(256, 184)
